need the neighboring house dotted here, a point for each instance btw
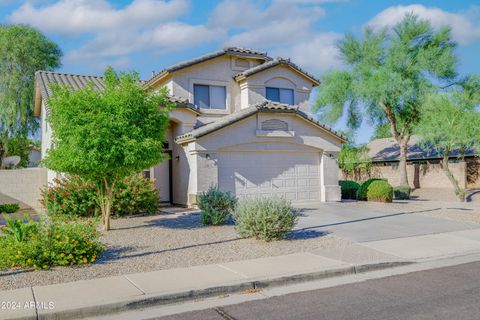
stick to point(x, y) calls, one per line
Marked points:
point(423, 164)
point(242, 123)
point(34, 156)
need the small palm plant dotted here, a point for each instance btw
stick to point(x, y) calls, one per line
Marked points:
point(18, 229)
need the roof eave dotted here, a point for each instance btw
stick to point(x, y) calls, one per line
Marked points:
point(37, 110)
point(241, 76)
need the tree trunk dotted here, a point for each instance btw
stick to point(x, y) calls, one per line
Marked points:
point(402, 166)
point(446, 169)
point(402, 137)
point(105, 200)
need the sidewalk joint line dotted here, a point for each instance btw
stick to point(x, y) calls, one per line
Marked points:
point(133, 283)
point(35, 301)
point(232, 270)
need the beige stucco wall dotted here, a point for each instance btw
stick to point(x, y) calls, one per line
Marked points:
point(420, 175)
point(217, 71)
point(242, 137)
point(220, 71)
point(24, 185)
point(254, 87)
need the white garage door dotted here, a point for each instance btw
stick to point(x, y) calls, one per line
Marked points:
point(294, 176)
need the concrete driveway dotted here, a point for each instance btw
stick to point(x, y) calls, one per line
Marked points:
point(363, 221)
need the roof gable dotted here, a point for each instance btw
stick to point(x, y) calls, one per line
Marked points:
point(266, 106)
point(228, 51)
point(275, 63)
point(43, 91)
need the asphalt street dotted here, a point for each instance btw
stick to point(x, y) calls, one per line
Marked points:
point(446, 293)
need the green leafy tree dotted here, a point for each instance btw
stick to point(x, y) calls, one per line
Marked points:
point(354, 161)
point(19, 146)
point(450, 121)
point(23, 51)
point(107, 135)
point(389, 75)
point(382, 131)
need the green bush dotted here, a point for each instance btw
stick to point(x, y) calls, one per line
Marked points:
point(265, 218)
point(402, 192)
point(381, 191)
point(133, 195)
point(349, 189)
point(48, 243)
point(216, 206)
point(362, 190)
point(71, 196)
point(19, 146)
point(9, 208)
point(78, 197)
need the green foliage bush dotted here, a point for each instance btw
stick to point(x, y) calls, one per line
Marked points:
point(133, 195)
point(48, 243)
point(9, 208)
point(19, 146)
point(349, 189)
point(71, 196)
point(380, 191)
point(78, 197)
point(362, 191)
point(216, 206)
point(265, 218)
point(402, 192)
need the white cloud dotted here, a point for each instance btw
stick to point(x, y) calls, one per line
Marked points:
point(284, 28)
point(79, 16)
point(464, 29)
point(116, 32)
point(167, 37)
point(317, 55)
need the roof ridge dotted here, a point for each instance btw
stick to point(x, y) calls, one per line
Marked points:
point(67, 74)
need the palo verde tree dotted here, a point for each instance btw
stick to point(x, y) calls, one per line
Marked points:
point(23, 51)
point(389, 75)
point(107, 135)
point(450, 121)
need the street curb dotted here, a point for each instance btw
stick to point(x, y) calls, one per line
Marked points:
point(164, 299)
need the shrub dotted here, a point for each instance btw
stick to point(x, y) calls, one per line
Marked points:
point(349, 189)
point(362, 190)
point(380, 190)
point(71, 196)
point(265, 218)
point(48, 243)
point(402, 192)
point(216, 206)
point(9, 208)
point(19, 146)
point(133, 195)
point(78, 197)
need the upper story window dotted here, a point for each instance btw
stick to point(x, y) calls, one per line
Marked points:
point(210, 97)
point(280, 95)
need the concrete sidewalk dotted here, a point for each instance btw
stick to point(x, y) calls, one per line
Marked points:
point(135, 291)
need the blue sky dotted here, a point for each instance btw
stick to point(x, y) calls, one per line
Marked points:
point(147, 35)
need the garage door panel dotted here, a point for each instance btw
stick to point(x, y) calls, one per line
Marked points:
point(292, 176)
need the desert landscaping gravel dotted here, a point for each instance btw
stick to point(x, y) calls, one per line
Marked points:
point(168, 241)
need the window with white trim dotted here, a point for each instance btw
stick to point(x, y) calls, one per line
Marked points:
point(281, 95)
point(210, 97)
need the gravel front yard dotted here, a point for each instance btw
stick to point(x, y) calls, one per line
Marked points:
point(168, 241)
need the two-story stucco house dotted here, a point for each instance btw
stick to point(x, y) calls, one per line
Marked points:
point(242, 123)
